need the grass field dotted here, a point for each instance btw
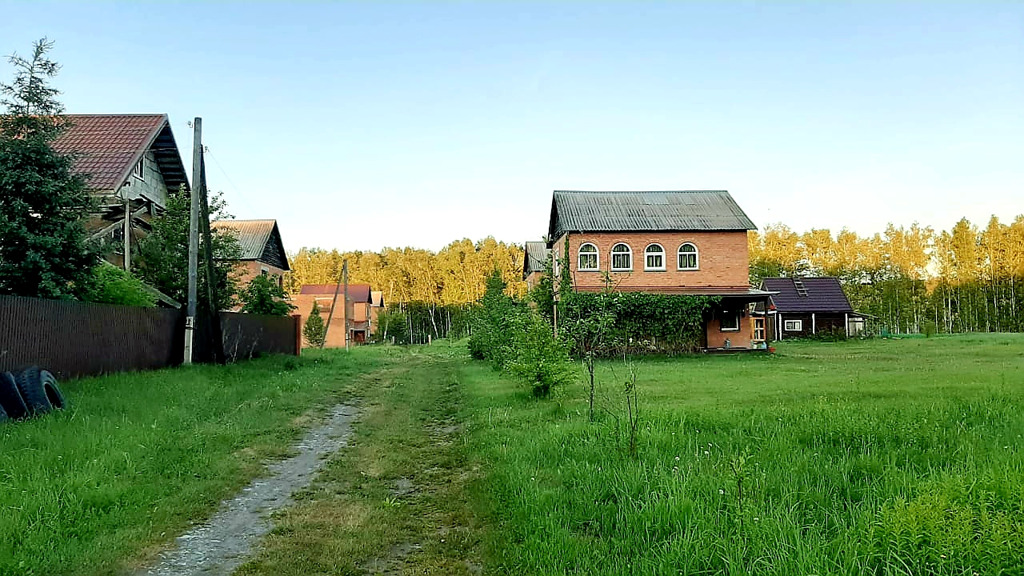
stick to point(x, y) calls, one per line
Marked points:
point(877, 457)
point(102, 486)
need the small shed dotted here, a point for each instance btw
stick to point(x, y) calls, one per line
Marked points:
point(803, 307)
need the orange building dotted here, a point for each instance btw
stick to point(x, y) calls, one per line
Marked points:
point(675, 242)
point(360, 313)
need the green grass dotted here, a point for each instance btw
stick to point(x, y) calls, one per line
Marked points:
point(877, 457)
point(100, 488)
point(399, 499)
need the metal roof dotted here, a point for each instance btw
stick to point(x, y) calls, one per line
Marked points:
point(673, 210)
point(253, 237)
point(535, 255)
point(108, 146)
point(356, 292)
point(824, 294)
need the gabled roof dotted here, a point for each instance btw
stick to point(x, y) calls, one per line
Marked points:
point(356, 292)
point(823, 294)
point(108, 146)
point(675, 210)
point(377, 298)
point(535, 254)
point(258, 239)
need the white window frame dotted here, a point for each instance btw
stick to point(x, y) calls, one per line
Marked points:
point(628, 254)
point(696, 256)
point(579, 258)
point(648, 254)
point(730, 315)
point(139, 171)
point(793, 325)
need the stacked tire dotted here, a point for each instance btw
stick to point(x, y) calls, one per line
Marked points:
point(27, 393)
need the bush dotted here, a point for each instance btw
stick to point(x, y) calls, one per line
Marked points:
point(264, 296)
point(112, 285)
point(314, 330)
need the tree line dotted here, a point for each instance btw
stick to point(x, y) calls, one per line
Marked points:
point(910, 279)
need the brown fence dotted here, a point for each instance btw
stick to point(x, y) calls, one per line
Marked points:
point(72, 338)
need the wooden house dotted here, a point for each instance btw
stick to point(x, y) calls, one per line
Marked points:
point(535, 254)
point(800, 307)
point(132, 164)
point(670, 242)
point(261, 249)
point(359, 312)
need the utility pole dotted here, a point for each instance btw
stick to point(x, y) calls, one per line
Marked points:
point(193, 237)
point(127, 231)
point(216, 342)
point(344, 274)
point(334, 301)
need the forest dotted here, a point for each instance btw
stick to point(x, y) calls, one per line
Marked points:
point(907, 279)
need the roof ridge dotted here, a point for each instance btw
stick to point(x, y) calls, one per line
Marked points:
point(644, 191)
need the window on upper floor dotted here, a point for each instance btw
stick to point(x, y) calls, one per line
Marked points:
point(622, 257)
point(688, 257)
point(139, 171)
point(588, 258)
point(654, 257)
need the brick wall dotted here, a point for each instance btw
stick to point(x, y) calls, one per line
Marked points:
point(336, 333)
point(723, 259)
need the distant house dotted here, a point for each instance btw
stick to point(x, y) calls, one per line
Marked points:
point(805, 306)
point(673, 242)
point(361, 315)
point(377, 305)
point(132, 164)
point(535, 254)
point(262, 251)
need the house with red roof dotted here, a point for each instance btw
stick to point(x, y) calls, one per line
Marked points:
point(131, 163)
point(356, 319)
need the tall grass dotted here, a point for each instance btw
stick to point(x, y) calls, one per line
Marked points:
point(139, 456)
point(882, 457)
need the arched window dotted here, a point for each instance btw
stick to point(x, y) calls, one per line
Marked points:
point(622, 257)
point(588, 259)
point(688, 257)
point(654, 257)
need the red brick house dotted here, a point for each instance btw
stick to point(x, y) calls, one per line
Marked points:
point(672, 242)
point(262, 251)
point(360, 307)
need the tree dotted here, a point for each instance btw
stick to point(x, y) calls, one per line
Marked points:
point(44, 250)
point(163, 255)
point(315, 331)
point(264, 296)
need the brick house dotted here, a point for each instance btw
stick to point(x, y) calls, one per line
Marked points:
point(804, 306)
point(360, 307)
point(131, 163)
point(262, 251)
point(675, 242)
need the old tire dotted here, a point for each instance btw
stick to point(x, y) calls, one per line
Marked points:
point(31, 387)
point(3, 415)
point(10, 398)
point(52, 391)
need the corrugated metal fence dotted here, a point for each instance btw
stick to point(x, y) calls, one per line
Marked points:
point(72, 338)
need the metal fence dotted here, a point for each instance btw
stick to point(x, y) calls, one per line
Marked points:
point(72, 338)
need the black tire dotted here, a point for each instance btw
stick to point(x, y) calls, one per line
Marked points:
point(31, 387)
point(10, 398)
point(52, 391)
point(3, 415)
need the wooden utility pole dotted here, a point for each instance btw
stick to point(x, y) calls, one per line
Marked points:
point(216, 343)
point(127, 231)
point(334, 301)
point(193, 237)
point(344, 273)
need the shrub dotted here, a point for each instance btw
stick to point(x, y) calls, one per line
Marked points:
point(314, 330)
point(112, 285)
point(264, 296)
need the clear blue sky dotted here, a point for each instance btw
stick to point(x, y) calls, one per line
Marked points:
point(362, 125)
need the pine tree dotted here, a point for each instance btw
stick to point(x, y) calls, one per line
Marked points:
point(44, 250)
point(315, 331)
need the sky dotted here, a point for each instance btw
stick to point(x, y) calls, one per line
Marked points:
point(360, 125)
